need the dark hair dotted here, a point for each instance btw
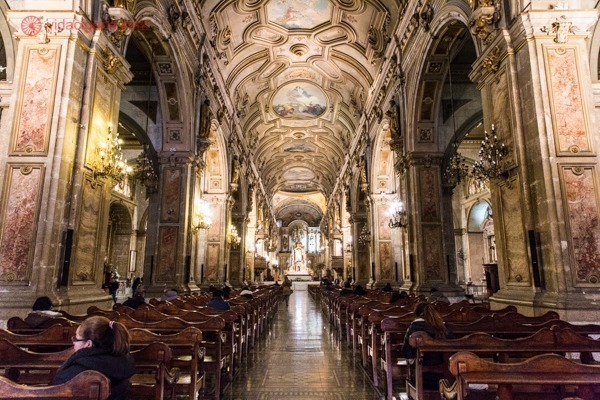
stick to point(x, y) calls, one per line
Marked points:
point(217, 293)
point(395, 297)
point(432, 318)
point(226, 290)
point(42, 304)
point(433, 290)
point(106, 334)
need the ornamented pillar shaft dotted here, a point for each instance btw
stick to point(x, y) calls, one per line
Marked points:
point(48, 132)
point(545, 111)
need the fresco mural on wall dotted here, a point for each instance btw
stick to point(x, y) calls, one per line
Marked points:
point(299, 14)
point(299, 100)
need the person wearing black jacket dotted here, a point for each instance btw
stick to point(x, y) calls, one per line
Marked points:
point(428, 320)
point(101, 345)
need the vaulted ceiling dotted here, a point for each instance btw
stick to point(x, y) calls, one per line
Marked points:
point(299, 73)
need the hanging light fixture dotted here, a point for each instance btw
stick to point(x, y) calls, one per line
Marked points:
point(457, 168)
point(365, 235)
point(109, 160)
point(399, 218)
point(203, 215)
point(232, 236)
point(143, 171)
point(490, 165)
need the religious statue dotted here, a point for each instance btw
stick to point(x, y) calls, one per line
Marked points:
point(298, 260)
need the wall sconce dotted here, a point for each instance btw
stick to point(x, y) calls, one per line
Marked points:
point(203, 215)
point(109, 160)
point(490, 165)
point(398, 218)
point(232, 236)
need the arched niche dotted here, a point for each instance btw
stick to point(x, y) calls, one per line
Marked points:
point(118, 240)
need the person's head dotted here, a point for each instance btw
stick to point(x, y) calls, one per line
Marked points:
point(395, 297)
point(139, 291)
point(42, 304)
point(218, 293)
point(211, 288)
point(403, 294)
point(433, 290)
point(102, 333)
point(226, 292)
point(432, 318)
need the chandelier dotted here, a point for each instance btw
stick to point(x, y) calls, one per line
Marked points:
point(399, 218)
point(232, 236)
point(490, 165)
point(109, 162)
point(202, 217)
point(457, 169)
point(144, 172)
point(365, 235)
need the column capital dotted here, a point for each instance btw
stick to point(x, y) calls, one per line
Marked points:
point(559, 26)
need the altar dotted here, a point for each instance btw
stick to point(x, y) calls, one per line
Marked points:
point(298, 267)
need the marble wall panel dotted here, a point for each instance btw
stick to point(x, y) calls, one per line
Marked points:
point(429, 193)
point(212, 263)
point(19, 220)
point(502, 111)
point(34, 111)
point(517, 258)
point(234, 265)
point(433, 260)
point(214, 232)
point(384, 224)
point(566, 100)
point(101, 114)
point(385, 261)
point(87, 234)
point(171, 195)
point(172, 101)
point(428, 93)
point(167, 254)
point(584, 222)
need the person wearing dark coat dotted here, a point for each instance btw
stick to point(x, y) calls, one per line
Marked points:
point(428, 320)
point(217, 302)
point(387, 287)
point(137, 299)
point(101, 345)
point(41, 311)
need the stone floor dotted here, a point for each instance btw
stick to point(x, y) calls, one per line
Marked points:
point(300, 360)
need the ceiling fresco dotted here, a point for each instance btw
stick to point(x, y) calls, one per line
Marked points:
point(299, 73)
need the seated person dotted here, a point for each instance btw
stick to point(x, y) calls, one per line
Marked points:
point(436, 295)
point(247, 293)
point(101, 345)
point(170, 295)
point(137, 299)
point(387, 287)
point(217, 302)
point(359, 290)
point(226, 292)
point(41, 312)
point(428, 320)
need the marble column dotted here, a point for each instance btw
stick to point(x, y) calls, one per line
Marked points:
point(66, 92)
point(535, 81)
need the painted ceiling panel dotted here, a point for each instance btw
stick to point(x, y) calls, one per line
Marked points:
point(300, 73)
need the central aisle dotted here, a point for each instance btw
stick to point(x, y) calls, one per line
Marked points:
point(300, 360)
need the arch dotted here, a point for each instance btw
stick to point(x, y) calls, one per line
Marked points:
point(178, 82)
point(594, 53)
point(119, 237)
point(477, 216)
point(8, 51)
point(216, 172)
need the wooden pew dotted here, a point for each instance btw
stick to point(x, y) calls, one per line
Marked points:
point(187, 355)
point(18, 325)
point(153, 376)
point(547, 340)
point(88, 385)
point(212, 339)
point(546, 370)
point(56, 336)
